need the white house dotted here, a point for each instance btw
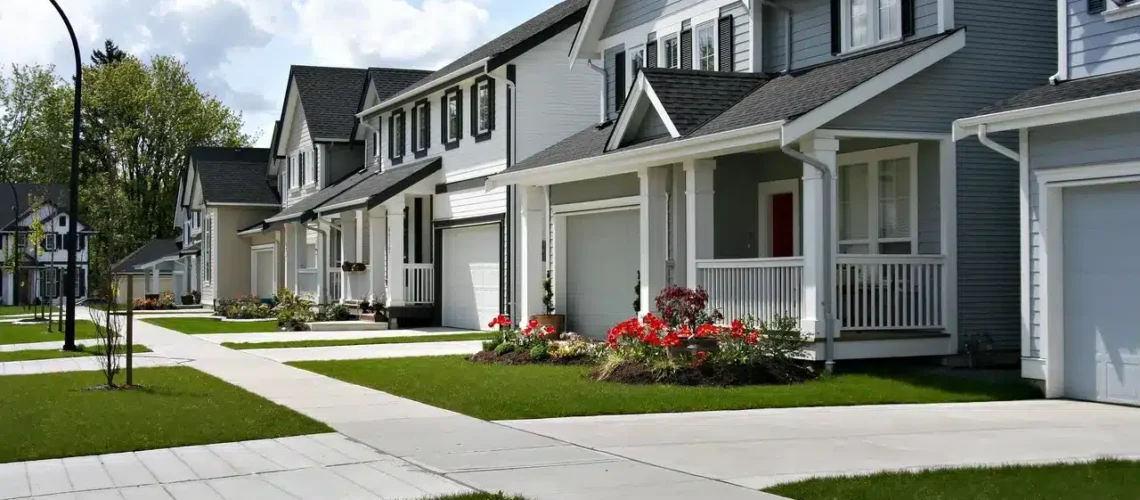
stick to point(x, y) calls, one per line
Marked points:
point(39, 274)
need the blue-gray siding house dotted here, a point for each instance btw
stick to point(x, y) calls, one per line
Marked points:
point(793, 158)
point(1079, 155)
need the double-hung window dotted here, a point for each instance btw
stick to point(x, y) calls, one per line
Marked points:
point(454, 116)
point(423, 134)
point(878, 208)
point(316, 163)
point(301, 168)
point(293, 172)
point(399, 142)
point(483, 107)
point(376, 143)
point(867, 23)
point(671, 52)
point(706, 47)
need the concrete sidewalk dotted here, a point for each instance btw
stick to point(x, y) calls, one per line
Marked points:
point(376, 351)
point(221, 338)
point(82, 364)
point(484, 455)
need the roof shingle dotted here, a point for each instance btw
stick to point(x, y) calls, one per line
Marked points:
point(1069, 90)
point(378, 187)
point(234, 175)
point(330, 98)
point(149, 252)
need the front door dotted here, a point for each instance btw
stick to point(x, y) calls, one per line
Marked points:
point(783, 225)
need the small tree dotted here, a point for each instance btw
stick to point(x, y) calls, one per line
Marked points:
point(36, 237)
point(548, 294)
point(109, 328)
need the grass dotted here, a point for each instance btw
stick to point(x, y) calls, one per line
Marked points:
point(39, 354)
point(478, 496)
point(203, 326)
point(21, 310)
point(26, 334)
point(53, 415)
point(350, 342)
point(500, 392)
point(1103, 480)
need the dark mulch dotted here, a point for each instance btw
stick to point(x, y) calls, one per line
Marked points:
point(523, 358)
point(706, 375)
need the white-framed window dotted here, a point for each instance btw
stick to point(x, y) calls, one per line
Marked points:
point(878, 205)
point(671, 51)
point(454, 121)
point(293, 172)
point(49, 242)
point(423, 135)
point(376, 143)
point(208, 250)
point(336, 248)
point(1116, 10)
point(316, 163)
point(483, 107)
point(636, 62)
point(705, 56)
point(399, 142)
point(867, 23)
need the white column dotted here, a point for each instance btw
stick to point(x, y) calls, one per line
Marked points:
point(532, 222)
point(323, 262)
point(653, 234)
point(155, 286)
point(195, 280)
point(377, 248)
point(361, 219)
point(396, 251)
point(295, 247)
point(699, 219)
point(349, 253)
point(679, 243)
point(815, 233)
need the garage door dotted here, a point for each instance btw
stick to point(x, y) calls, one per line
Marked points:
point(264, 274)
point(470, 276)
point(1102, 292)
point(602, 260)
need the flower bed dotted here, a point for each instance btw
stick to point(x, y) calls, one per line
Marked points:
point(162, 302)
point(534, 343)
point(245, 307)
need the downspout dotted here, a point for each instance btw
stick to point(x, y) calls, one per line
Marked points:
point(984, 138)
point(605, 90)
point(828, 254)
point(512, 203)
point(324, 259)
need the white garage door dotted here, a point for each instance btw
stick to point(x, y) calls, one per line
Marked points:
point(470, 276)
point(602, 260)
point(264, 274)
point(1102, 292)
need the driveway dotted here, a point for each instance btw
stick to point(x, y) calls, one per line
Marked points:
point(760, 448)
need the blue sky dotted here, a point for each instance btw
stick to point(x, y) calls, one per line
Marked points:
point(240, 50)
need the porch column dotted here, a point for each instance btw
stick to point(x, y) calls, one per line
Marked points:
point(816, 234)
point(195, 280)
point(323, 262)
point(532, 211)
point(653, 234)
point(290, 256)
point(349, 253)
point(678, 225)
point(698, 216)
point(396, 208)
point(155, 286)
point(377, 248)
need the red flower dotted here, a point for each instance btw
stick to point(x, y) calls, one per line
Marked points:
point(753, 338)
point(686, 332)
point(700, 358)
point(707, 330)
point(671, 340)
point(737, 329)
point(549, 330)
point(500, 320)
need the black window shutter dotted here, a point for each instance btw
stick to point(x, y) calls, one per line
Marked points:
point(404, 127)
point(459, 113)
point(392, 136)
point(687, 49)
point(1097, 6)
point(726, 49)
point(443, 119)
point(475, 110)
point(619, 81)
point(416, 128)
point(907, 17)
point(491, 101)
point(427, 124)
point(651, 54)
point(836, 27)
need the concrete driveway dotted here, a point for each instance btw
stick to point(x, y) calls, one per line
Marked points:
point(760, 448)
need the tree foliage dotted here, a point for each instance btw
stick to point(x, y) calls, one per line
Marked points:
point(35, 125)
point(109, 55)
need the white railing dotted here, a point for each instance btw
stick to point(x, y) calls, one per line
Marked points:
point(334, 282)
point(419, 283)
point(761, 288)
point(890, 292)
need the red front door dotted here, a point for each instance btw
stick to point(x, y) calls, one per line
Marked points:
point(783, 225)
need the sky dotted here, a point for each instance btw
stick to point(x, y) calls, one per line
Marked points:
point(240, 50)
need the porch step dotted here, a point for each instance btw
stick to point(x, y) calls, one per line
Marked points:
point(347, 326)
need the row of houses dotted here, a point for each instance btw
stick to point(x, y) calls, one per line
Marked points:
point(842, 162)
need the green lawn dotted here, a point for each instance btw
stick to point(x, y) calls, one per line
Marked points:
point(56, 353)
point(52, 415)
point(350, 342)
point(479, 496)
point(1103, 480)
point(21, 310)
point(25, 334)
point(200, 326)
point(501, 392)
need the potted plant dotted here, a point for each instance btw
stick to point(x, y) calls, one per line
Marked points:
point(555, 321)
point(346, 267)
point(359, 267)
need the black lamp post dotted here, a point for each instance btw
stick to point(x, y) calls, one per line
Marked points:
point(73, 192)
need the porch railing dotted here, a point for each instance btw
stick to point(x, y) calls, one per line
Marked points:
point(419, 283)
point(890, 292)
point(761, 288)
point(334, 282)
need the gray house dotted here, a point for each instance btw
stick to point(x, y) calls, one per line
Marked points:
point(794, 159)
point(1079, 151)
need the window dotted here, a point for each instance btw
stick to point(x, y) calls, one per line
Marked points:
point(376, 143)
point(877, 206)
point(636, 62)
point(208, 250)
point(63, 221)
point(50, 278)
point(336, 247)
point(454, 116)
point(620, 88)
point(293, 172)
point(483, 103)
point(316, 163)
point(303, 169)
point(423, 135)
point(49, 242)
point(399, 142)
point(871, 22)
point(671, 52)
point(706, 47)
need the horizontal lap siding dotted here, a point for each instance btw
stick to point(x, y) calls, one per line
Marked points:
point(299, 139)
point(555, 101)
point(1099, 47)
point(601, 188)
point(1107, 140)
point(472, 203)
point(627, 14)
point(741, 35)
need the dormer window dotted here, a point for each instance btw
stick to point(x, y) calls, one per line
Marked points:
point(867, 23)
point(671, 52)
point(706, 47)
point(484, 105)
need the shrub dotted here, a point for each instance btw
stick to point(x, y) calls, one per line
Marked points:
point(293, 312)
point(526, 338)
point(681, 306)
point(333, 312)
point(504, 348)
point(245, 307)
point(540, 352)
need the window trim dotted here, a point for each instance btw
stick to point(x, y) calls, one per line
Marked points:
point(422, 112)
point(315, 166)
point(714, 26)
point(454, 123)
point(399, 139)
point(663, 47)
point(302, 169)
point(873, 7)
point(376, 149)
point(631, 73)
point(872, 157)
point(1114, 12)
point(480, 99)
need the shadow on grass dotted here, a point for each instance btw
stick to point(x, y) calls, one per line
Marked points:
point(995, 384)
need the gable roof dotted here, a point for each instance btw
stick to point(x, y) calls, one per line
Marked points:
point(502, 49)
point(388, 81)
point(691, 98)
point(149, 252)
point(303, 210)
point(329, 97)
point(234, 175)
point(783, 97)
point(380, 186)
point(14, 206)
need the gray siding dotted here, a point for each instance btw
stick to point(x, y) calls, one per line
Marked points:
point(737, 202)
point(627, 14)
point(601, 188)
point(611, 80)
point(741, 35)
point(1105, 140)
point(1098, 46)
point(651, 126)
point(342, 160)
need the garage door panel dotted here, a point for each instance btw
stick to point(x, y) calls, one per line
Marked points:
point(601, 270)
point(1102, 292)
point(471, 276)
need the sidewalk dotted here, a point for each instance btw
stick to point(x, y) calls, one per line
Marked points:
point(221, 338)
point(377, 351)
point(484, 455)
point(81, 364)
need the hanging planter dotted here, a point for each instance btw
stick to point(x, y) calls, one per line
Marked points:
point(359, 267)
point(346, 267)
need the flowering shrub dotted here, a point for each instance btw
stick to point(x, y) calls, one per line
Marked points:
point(293, 312)
point(681, 306)
point(533, 339)
point(244, 307)
point(155, 302)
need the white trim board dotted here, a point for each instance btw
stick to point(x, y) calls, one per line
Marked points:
point(641, 100)
point(627, 202)
point(767, 190)
point(1051, 114)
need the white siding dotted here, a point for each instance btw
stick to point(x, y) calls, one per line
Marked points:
point(554, 101)
point(299, 140)
point(471, 203)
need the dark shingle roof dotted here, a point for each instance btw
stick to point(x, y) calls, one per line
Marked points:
point(25, 193)
point(389, 81)
point(562, 15)
point(1069, 90)
point(302, 209)
point(378, 187)
point(149, 252)
point(692, 98)
point(234, 175)
point(330, 98)
point(783, 97)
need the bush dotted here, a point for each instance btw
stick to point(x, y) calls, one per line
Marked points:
point(333, 312)
point(504, 348)
point(155, 302)
point(540, 352)
point(246, 307)
point(293, 313)
point(681, 306)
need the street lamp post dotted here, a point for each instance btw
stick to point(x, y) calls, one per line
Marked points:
point(73, 192)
